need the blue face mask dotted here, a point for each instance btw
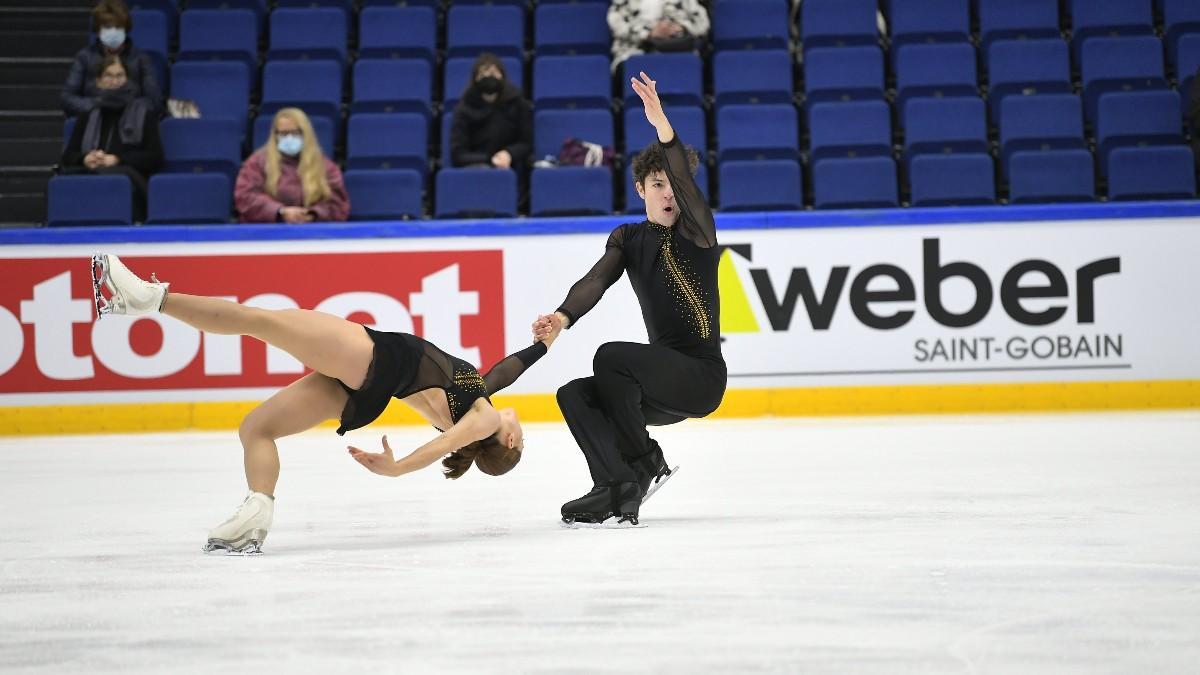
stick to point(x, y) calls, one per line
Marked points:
point(290, 144)
point(112, 37)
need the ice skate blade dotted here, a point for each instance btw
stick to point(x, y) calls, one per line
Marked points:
point(657, 485)
point(218, 547)
point(99, 276)
point(610, 524)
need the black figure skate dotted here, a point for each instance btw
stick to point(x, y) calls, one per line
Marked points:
point(606, 506)
point(652, 470)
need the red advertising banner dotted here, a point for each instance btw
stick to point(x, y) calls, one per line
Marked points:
point(50, 341)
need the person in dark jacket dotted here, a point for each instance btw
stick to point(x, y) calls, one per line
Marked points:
point(112, 24)
point(493, 124)
point(118, 136)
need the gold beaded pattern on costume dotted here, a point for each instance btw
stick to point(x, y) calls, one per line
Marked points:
point(684, 285)
point(466, 380)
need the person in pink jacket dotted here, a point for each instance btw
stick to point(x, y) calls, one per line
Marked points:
point(289, 179)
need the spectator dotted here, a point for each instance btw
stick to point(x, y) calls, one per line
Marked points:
point(289, 179)
point(493, 124)
point(640, 26)
point(118, 136)
point(112, 24)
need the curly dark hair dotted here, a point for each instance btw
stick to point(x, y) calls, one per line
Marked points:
point(649, 160)
point(490, 454)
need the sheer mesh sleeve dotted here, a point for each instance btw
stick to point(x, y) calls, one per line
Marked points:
point(513, 366)
point(695, 217)
point(586, 292)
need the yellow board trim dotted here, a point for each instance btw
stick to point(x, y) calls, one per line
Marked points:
point(738, 403)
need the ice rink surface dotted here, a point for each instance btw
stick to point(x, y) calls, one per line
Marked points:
point(1031, 544)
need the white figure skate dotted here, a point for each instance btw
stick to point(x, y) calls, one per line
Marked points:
point(245, 531)
point(128, 294)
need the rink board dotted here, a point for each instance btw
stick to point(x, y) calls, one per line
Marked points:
point(915, 311)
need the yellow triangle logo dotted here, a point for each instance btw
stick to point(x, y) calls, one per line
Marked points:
point(736, 315)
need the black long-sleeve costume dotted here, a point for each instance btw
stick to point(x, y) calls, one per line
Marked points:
point(404, 364)
point(681, 373)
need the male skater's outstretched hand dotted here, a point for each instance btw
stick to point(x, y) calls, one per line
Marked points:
point(646, 90)
point(547, 327)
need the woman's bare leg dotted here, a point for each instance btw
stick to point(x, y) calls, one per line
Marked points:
point(329, 345)
point(301, 405)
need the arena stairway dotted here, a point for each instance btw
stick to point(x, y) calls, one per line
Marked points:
point(38, 40)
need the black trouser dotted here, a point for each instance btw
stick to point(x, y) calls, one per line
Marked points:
point(635, 385)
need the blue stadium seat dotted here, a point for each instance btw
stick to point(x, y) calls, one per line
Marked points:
point(257, 7)
point(572, 82)
point(679, 76)
point(1038, 123)
point(838, 23)
point(219, 35)
point(1137, 118)
point(952, 180)
point(202, 145)
point(458, 72)
point(552, 127)
point(749, 24)
point(849, 129)
point(151, 36)
point(384, 194)
point(571, 29)
point(168, 8)
point(1180, 17)
point(688, 122)
point(220, 89)
point(1162, 172)
point(925, 21)
point(1120, 64)
point(473, 29)
point(767, 131)
point(387, 141)
point(938, 70)
point(945, 126)
point(764, 185)
point(393, 85)
point(1027, 67)
point(1051, 176)
point(466, 193)
point(1188, 60)
point(1017, 20)
point(843, 73)
point(322, 127)
point(755, 76)
point(855, 183)
point(432, 4)
point(398, 32)
point(186, 198)
point(570, 190)
point(635, 204)
point(308, 34)
point(1091, 19)
point(89, 200)
point(345, 6)
point(313, 86)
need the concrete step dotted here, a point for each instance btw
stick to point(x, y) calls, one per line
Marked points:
point(42, 19)
point(30, 96)
point(31, 127)
point(30, 151)
point(40, 43)
point(18, 210)
point(47, 71)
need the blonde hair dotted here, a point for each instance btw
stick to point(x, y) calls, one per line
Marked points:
point(312, 160)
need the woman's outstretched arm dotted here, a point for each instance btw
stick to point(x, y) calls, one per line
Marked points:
point(479, 423)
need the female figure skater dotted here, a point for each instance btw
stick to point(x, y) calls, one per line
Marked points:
point(356, 371)
point(671, 258)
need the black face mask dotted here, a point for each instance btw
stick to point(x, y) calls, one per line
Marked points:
point(116, 98)
point(489, 85)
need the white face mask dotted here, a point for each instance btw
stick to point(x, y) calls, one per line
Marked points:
point(112, 37)
point(290, 144)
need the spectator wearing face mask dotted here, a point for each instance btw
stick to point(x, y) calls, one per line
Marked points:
point(493, 124)
point(112, 24)
point(289, 179)
point(118, 136)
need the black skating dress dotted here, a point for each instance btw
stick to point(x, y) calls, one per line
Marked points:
point(405, 364)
